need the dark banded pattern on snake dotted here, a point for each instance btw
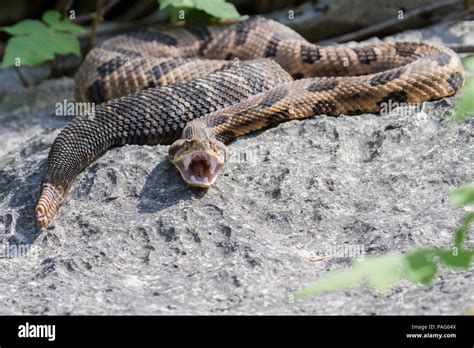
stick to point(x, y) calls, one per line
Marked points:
point(129, 75)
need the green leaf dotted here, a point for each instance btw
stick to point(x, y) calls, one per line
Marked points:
point(53, 19)
point(25, 48)
point(465, 101)
point(191, 15)
point(34, 43)
point(462, 230)
point(26, 26)
point(62, 43)
point(463, 195)
point(420, 267)
point(39, 47)
point(456, 258)
point(174, 12)
point(334, 280)
point(218, 8)
point(381, 272)
point(384, 271)
point(176, 3)
point(200, 10)
point(468, 63)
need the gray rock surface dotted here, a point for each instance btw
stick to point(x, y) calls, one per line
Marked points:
point(133, 239)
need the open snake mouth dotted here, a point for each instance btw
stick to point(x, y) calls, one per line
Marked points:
point(199, 169)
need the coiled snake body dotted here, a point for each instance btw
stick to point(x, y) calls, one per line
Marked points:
point(231, 81)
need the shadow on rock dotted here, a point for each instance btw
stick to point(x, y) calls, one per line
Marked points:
point(23, 228)
point(164, 188)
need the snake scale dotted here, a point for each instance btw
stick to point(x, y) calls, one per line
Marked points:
point(199, 88)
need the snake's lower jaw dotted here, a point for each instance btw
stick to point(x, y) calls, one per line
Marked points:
point(194, 183)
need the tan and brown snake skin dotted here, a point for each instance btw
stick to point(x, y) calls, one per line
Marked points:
point(151, 84)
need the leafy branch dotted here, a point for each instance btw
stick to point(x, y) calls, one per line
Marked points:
point(199, 11)
point(34, 42)
point(98, 16)
point(419, 265)
point(465, 101)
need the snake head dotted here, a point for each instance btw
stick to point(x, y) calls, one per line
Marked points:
point(199, 160)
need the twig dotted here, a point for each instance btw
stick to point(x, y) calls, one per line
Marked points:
point(95, 23)
point(63, 7)
point(90, 17)
point(68, 64)
point(23, 79)
point(378, 27)
point(137, 10)
point(113, 27)
point(460, 48)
